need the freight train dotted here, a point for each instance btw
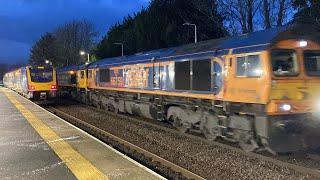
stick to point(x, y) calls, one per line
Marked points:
point(261, 90)
point(37, 83)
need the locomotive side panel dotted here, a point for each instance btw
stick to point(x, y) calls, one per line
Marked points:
point(248, 79)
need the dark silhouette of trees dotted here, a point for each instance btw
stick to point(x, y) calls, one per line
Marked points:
point(161, 26)
point(3, 70)
point(43, 49)
point(308, 12)
point(62, 46)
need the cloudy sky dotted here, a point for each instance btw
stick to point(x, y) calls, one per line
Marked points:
point(22, 22)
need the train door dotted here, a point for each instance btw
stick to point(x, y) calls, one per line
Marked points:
point(217, 76)
point(81, 79)
point(156, 75)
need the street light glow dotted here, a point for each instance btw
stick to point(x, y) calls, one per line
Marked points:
point(82, 53)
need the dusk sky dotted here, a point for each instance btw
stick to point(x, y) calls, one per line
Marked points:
point(22, 22)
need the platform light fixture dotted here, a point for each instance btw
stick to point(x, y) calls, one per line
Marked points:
point(122, 47)
point(195, 31)
point(82, 53)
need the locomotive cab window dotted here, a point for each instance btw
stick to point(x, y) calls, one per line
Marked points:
point(284, 62)
point(104, 75)
point(249, 66)
point(182, 75)
point(312, 63)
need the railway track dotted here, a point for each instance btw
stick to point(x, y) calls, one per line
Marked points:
point(175, 168)
point(177, 171)
point(265, 157)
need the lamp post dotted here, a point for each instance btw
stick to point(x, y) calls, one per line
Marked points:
point(82, 53)
point(121, 44)
point(195, 31)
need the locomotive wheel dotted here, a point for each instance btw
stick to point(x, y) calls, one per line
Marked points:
point(210, 129)
point(246, 141)
point(179, 125)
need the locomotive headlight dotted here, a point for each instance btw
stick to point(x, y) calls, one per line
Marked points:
point(285, 107)
point(303, 43)
point(317, 106)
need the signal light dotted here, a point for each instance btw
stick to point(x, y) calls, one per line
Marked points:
point(53, 87)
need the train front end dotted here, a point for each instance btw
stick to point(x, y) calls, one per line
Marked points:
point(294, 100)
point(42, 83)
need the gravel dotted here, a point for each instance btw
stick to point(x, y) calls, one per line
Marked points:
point(207, 160)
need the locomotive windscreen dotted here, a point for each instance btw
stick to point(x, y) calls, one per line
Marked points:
point(41, 74)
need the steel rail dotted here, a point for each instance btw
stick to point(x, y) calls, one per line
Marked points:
point(298, 168)
point(186, 173)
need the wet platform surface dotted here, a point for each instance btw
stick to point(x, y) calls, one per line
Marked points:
point(34, 144)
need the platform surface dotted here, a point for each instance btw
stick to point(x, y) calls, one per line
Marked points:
point(34, 144)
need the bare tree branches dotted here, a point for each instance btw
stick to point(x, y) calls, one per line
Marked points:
point(243, 16)
point(63, 45)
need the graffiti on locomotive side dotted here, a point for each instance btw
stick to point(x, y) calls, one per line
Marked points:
point(116, 79)
point(137, 77)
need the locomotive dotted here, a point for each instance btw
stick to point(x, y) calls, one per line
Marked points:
point(37, 83)
point(260, 90)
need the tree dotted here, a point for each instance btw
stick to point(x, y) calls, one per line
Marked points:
point(43, 49)
point(308, 12)
point(160, 26)
point(62, 47)
point(239, 14)
point(71, 38)
point(275, 12)
point(3, 70)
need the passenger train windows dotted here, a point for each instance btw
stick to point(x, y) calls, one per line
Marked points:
point(284, 62)
point(182, 75)
point(104, 75)
point(41, 74)
point(312, 63)
point(201, 75)
point(249, 66)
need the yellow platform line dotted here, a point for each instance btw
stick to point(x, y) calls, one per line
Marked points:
point(79, 165)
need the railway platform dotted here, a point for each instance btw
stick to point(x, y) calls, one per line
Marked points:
point(35, 144)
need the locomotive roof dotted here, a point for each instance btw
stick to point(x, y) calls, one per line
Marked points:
point(69, 68)
point(251, 42)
